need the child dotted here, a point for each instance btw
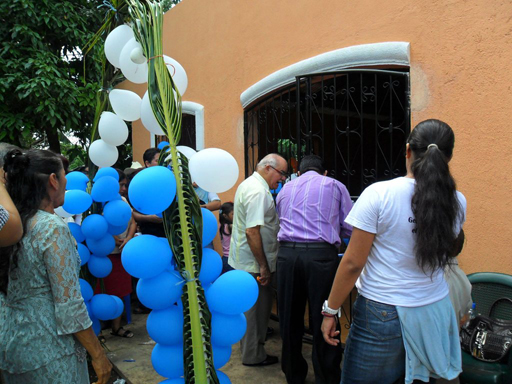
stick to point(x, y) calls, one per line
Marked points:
point(226, 222)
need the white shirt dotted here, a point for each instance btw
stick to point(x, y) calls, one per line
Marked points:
point(253, 206)
point(391, 274)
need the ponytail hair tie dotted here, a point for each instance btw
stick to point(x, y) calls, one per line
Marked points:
point(432, 145)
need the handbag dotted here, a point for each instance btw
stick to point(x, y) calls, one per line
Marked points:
point(486, 338)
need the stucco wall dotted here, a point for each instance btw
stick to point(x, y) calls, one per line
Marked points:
point(460, 58)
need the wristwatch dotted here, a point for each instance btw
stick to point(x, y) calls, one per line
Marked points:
point(329, 312)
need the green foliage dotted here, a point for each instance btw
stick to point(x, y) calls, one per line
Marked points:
point(43, 87)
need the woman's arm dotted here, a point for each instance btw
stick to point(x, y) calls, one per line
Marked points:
point(12, 231)
point(100, 362)
point(349, 270)
point(129, 235)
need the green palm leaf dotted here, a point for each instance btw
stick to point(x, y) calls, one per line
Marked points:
point(182, 220)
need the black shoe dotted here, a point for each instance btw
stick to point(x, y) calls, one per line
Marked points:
point(268, 361)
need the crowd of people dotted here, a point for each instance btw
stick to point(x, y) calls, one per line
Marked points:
point(404, 235)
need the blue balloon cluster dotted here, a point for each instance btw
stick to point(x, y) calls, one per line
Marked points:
point(209, 226)
point(76, 181)
point(100, 306)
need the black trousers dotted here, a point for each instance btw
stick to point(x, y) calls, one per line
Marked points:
point(305, 274)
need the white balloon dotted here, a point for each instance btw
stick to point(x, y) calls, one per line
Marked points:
point(147, 116)
point(187, 151)
point(178, 74)
point(112, 129)
point(137, 56)
point(62, 213)
point(126, 104)
point(214, 170)
point(136, 73)
point(115, 42)
point(103, 154)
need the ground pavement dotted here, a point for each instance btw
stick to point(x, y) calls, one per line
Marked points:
point(132, 357)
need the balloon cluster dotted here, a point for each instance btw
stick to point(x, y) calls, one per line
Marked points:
point(123, 51)
point(95, 236)
point(100, 306)
point(160, 288)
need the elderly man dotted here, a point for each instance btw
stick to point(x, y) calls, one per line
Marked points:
point(253, 248)
point(312, 209)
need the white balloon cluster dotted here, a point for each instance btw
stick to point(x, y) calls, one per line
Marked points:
point(123, 51)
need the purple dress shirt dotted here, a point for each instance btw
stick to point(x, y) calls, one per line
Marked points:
point(312, 208)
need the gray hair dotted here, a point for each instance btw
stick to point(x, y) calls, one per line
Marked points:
point(4, 148)
point(270, 159)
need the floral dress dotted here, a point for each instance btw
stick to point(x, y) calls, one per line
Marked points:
point(43, 308)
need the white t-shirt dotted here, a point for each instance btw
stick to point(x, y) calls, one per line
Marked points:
point(391, 274)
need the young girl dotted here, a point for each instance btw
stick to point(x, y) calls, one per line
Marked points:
point(406, 231)
point(226, 222)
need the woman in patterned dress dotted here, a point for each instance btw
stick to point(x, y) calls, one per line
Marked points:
point(44, 324)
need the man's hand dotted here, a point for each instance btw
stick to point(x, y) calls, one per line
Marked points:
point(264, 277)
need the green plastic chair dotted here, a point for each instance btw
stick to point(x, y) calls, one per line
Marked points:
point(487, 288)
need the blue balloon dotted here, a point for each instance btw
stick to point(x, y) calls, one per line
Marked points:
point(116, 230)
point(84, 254)
point(165, 326)
point(223, 378)
point(162, 144)
point(221, 355)
point(236, 324)
point(107, 171)
point(146, 256)
point(86, 290)
point(179, 380)
point(161, 291)
point(76, 231)
point(117, 213)
point(152, 190)
point(119, 306)
point(76, 180)
point(104, 307)
point(94, 227)
point(102, 247)
point(167, 360)
point(105, 189)
point(89, 310)
point(232, 293)
point(96, 326)
point(99, 266)
point(211, 266)
point(209, 226)
point(76, 202)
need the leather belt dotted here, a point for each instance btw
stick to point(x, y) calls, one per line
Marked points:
point(317, 245)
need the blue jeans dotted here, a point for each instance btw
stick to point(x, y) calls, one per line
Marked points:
point(374, 352)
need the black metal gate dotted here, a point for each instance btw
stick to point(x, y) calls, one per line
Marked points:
point(356, 120)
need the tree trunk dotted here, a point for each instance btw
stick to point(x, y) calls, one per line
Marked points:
point(52, 135)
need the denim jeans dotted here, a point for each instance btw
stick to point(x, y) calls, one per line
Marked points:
point(374, 352)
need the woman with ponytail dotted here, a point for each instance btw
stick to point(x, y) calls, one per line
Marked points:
point(44, 324)
point(406, 231)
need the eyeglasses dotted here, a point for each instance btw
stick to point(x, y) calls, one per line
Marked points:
point(282, 173)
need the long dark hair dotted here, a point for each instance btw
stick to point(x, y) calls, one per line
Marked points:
point(27, 180)
point(434, 203)
point(225, 210)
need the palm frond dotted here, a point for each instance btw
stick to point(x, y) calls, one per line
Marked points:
point(182, 220)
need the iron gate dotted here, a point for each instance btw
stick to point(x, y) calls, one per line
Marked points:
point(356, 120)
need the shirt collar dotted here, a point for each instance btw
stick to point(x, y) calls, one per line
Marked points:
point(261, 180)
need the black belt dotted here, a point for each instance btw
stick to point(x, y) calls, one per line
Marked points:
point(318, 245)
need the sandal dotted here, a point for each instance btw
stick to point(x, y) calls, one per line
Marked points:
point(102, 339)
point(125, 333)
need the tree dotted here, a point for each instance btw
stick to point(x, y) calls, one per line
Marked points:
point(46, 86)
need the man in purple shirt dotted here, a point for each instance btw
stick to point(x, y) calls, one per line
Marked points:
point(312, 209)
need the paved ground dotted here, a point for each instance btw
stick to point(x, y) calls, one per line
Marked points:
point(132, 357)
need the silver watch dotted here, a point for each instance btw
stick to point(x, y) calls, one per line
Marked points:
point(326, 309)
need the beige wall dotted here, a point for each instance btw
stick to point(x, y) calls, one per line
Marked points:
point(461, 52)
